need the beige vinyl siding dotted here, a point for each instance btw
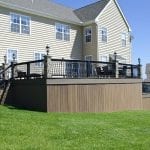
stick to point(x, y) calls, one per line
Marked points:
point(42, 33)
point(90, 48)
point(112, 19)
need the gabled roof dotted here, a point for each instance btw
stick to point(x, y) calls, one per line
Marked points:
point(49, 9)
point(90, 12)
point(46, 7)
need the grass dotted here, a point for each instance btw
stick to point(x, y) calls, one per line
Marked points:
point(25, 130)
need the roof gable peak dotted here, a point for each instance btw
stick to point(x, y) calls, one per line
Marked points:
point(91, 11)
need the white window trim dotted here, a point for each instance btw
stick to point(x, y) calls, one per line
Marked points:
point(41, 53)
point(106, 56)
point(101, 29)
point(58, 23)
point(7, 53)
point(89, 27)
point(11, 13)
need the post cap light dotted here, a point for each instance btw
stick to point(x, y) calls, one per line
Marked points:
point(139, 61)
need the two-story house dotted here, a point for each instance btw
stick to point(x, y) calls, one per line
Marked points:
point(92, 32)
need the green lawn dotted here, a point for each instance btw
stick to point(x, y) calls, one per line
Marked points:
point(25, 130)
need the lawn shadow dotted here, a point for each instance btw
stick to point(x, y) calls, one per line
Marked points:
point(11, 107)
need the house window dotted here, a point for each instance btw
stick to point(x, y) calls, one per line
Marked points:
point(104, 34)
point(39, 56)
point(20, 24)
point(62, 32)
point(88, 57)
point(123, 39)
point(104, 58)
point(11, 54)
point(88, 34)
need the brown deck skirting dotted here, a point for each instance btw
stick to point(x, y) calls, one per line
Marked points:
point(146, 101)
point(77, 95)
point(93, 95)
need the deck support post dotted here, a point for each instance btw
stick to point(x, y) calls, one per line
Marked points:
point(116, 66)
point(47, 66)
point(116, 69)
point(28, 70)
point(140, 71)
point(139, 68)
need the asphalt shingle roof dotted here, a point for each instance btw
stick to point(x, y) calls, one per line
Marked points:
point(46, 7)
point(90, 12)
point(84, 14)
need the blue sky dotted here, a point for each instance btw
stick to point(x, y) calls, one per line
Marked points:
point(137, 13)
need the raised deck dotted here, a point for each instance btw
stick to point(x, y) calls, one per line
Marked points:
point(58, 85)
point(78, 95)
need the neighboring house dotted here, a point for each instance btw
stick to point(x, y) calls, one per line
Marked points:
point(93, 32)
point(147, 72)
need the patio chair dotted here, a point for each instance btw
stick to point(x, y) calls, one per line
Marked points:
point(99, 71)
point(122, 71)
point(21, 74)
point(108, 72)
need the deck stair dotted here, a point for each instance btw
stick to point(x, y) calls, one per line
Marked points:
point(4, 88)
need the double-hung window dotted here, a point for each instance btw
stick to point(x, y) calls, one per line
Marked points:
point(104, 34)
point(20, 24)
point(62, 32)
point(88, 34)
point(123, 39)
point(39, 56)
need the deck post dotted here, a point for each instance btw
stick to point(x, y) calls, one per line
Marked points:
point(140, 71)
point(131, 71)
point(12, 70)
point(4, 73)
point(4, 67)
point(139, 68)
point(116, 66)
point(47, 66)
point(28, 70)
point(116, 69)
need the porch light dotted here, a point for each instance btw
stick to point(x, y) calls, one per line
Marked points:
point(47, 49)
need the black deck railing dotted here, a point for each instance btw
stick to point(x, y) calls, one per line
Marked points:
point(92, 69)
point(62, 68)
point(81, 69)
point(129, 70)
point(31, 69)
